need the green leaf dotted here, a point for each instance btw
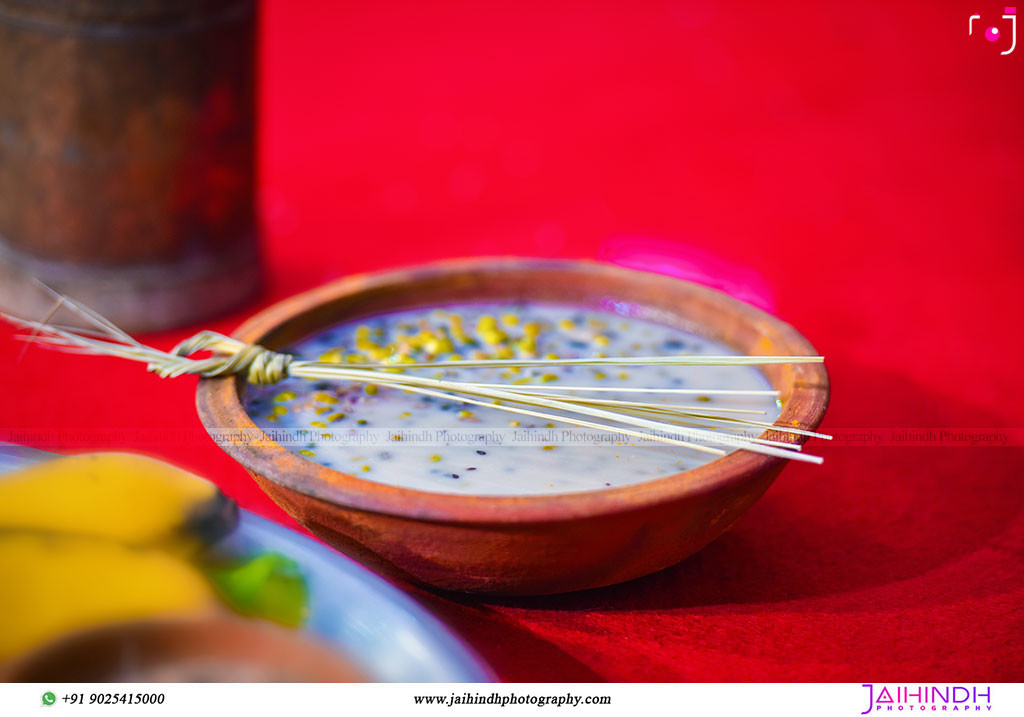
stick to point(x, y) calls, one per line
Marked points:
point(268, 586)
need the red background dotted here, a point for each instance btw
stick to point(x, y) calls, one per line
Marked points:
point(863, 160)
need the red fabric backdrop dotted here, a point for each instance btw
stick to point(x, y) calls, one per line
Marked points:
point(860, 164)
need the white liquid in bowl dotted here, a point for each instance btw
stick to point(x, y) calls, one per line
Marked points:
point(450, 447)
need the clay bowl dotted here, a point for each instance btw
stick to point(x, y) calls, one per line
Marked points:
point(205, 649)
point(530, 545)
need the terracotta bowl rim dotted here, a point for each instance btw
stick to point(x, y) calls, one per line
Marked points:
point(28, 664)
point(218, 401)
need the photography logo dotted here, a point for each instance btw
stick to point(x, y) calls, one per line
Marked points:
point(883, 698)
point(996, 32)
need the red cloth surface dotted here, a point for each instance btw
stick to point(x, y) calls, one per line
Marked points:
point(861, 164)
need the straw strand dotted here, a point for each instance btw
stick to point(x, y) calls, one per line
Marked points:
point(229, 356)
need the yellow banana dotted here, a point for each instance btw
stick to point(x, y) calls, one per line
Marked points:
point(55, 584)
point(128, 498)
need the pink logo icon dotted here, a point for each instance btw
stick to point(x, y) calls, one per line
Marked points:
point(993, 33)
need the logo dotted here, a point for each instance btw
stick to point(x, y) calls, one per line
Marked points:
point(928, 698)
point(994, 33)
point(49, 698)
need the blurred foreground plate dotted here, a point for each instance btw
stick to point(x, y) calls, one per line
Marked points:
point(371, 622)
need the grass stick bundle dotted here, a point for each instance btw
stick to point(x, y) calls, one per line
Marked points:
point(711, 430)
